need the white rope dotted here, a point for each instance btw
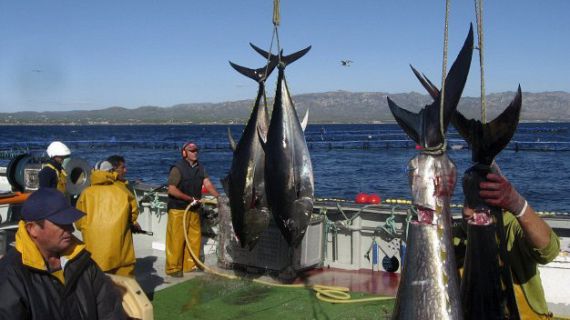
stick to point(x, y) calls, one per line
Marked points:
point(479, 17)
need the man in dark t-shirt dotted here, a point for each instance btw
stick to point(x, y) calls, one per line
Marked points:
point(185, 188)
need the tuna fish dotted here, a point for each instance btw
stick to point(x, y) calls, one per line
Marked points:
point(487, 287)
point(245, 184)
point(429, 284)
point(288, 168)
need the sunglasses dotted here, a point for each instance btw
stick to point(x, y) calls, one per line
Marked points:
point(193, 150)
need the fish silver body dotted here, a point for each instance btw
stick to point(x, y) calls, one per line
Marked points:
point(246, 181)
point(429, 285)
point(288, 168)
point(245, 184)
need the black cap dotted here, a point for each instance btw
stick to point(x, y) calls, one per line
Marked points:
point(50, 204)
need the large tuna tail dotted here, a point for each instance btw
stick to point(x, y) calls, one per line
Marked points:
point(428, 85)
point(285, 60)
point(420, 126)
point(488, 139)
point(258, 75)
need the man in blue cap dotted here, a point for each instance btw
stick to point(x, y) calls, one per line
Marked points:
point(50, 275)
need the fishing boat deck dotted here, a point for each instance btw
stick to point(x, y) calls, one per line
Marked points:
point(156, 284)
point(152, 277)
point(151, 262)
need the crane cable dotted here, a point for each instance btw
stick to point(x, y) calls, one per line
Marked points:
point(479, 17)
point(275, 34)
point(444, 75)
point(324, 293)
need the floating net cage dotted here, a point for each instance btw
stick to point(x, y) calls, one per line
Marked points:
point(14, 149)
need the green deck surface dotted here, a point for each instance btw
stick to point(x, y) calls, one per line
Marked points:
point(211, 297)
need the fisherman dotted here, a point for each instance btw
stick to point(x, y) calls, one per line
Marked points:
point(52, 174)
point(530, 241)
point(110, 214)
point(49, 274)
point(185, 181)
point(119, 166)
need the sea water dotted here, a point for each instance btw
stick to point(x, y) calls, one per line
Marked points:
point(347, 159)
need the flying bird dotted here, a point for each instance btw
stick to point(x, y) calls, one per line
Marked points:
point(345, 63)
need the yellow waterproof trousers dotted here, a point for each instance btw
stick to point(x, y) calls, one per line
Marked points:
point(127, 271)
point(178, 257)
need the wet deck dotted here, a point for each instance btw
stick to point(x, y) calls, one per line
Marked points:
point(151, 276)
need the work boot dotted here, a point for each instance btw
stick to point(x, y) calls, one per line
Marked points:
point(195, 269)
point(177, 274)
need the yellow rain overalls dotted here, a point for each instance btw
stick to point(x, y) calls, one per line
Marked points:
point(106, 226)
point(178, 257)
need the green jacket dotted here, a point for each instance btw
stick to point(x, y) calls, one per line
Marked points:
point(524, 262)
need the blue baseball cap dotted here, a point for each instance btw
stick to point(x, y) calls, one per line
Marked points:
point(50, 204)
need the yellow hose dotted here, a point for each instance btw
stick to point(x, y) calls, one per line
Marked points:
point(330, 294)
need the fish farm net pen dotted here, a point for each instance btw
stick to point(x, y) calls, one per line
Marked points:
point(10, 151)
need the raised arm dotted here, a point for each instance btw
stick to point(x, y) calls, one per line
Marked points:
point(498, 191)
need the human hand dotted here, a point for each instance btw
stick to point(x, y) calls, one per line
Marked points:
point(499, 192)
point(135, 227)
point(195, 204)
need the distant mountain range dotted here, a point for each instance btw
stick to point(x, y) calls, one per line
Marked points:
point(328, 107)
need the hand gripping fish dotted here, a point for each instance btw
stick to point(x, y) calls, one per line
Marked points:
point(429, 284)
point(245, 184)
point(288, 168)
point(487, 287)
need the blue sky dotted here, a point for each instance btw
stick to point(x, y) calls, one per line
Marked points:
point(77, 55)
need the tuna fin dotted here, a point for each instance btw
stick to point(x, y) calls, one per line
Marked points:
point(226, 184)
point(258, 75)
point(457, 76)
point(420, 127)
point(233, 144)
point(263, 53)
point(488, 139)
point(407, 120)
point(305, 120)
point(428, 85)
point(286, 60)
